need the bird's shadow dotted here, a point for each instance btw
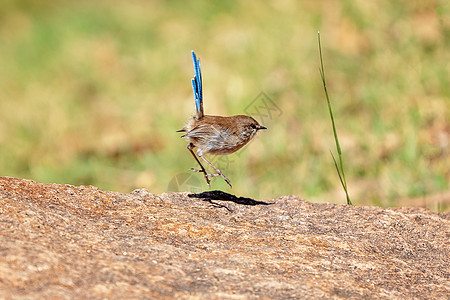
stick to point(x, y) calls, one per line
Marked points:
point(219, 195)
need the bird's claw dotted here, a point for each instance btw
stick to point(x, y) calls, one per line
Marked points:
point(209, 176)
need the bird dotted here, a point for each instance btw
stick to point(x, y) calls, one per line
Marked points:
point(215, 135)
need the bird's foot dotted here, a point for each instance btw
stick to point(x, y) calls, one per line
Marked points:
point(209, 176)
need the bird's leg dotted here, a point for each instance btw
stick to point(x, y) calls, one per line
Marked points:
point(202, 169)
point(217, 170)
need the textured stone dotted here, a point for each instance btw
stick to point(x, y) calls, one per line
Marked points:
point(63, 241)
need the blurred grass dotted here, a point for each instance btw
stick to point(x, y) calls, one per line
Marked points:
point(93, 92)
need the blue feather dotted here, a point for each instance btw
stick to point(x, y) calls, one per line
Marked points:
point(197, 82)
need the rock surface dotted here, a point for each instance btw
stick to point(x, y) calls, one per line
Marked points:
point(63, 241)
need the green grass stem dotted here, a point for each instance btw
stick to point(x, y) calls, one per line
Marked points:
point(340, 166)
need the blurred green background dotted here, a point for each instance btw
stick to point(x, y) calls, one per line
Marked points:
point(92, 92)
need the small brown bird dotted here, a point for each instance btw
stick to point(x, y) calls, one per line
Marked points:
point(215, 134)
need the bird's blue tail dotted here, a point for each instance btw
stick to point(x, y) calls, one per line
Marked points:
point(197, 86)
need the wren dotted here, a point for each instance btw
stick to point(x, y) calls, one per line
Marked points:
point(216, 135)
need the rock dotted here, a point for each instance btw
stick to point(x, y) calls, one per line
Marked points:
point(63, 241)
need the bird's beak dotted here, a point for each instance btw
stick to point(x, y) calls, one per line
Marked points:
point(261, 127)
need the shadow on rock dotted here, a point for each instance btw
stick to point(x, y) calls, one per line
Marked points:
point(219, 195)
